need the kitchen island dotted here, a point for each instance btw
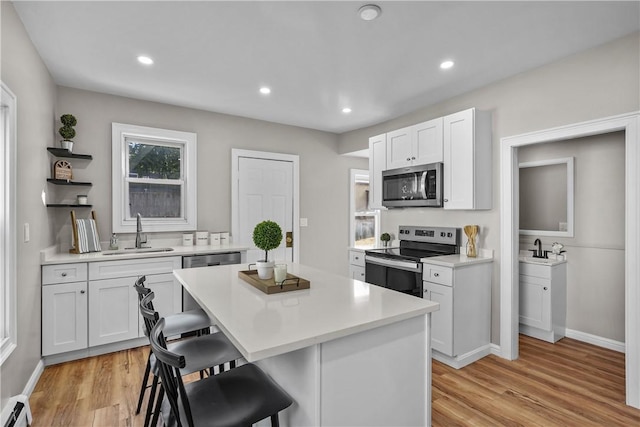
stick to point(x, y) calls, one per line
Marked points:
point(348, 353)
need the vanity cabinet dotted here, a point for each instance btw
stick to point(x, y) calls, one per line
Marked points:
point(543, 300)
point(461, 328)
point(356, 265)
point(377, 163)
point(467, 160)
point(415, 145)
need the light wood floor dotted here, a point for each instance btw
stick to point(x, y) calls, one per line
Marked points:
point(566, 384)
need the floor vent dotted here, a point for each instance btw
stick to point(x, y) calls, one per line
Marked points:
point(16, 412)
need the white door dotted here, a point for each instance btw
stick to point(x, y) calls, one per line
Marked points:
point(399, 148)
point(64, 317)
point(441, 320)
point(113, 311)
point(265, 192)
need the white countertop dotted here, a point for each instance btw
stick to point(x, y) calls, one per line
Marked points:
point(52, 257)
point(262, 325)
point(459, 260)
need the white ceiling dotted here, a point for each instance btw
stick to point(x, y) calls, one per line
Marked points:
point(317, 57)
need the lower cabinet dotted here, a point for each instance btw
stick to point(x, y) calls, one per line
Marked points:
point(103, 309)
point(543, 300)
point(356, 265)
point(64, 317)
point(461, 328)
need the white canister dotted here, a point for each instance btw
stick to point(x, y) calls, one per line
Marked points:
point(82, 199)
point(187, 239)
point(224, 238)
point(202, 238)
point(215, 239)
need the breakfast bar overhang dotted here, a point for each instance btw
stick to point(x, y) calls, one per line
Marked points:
point(349, 353)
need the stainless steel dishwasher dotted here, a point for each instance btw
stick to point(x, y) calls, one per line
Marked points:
point(194, 261)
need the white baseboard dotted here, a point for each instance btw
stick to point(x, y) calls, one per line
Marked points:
point(464, 359)
point(33, 379)
point(496, 350)
point(596, 340)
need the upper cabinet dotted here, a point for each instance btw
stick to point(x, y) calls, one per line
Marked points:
point(467, 160)
point(415, 145)
point(377, 163)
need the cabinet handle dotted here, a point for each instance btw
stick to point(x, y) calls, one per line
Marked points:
point(545, 288)
point(408, 159)
point(413, 158)
point(446, 200)
point(357, 257)
point(64, 274)
point(436, 274)
point(82, 291)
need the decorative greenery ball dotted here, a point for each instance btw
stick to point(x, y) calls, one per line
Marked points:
point(267, 235)
point(385, 237)
point(67, 131)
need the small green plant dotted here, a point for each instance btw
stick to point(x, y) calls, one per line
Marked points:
point(267, 235)
point(68, 122)
point(385, 237)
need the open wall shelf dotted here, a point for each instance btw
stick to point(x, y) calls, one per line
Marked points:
point(61, 152)
point(67, 205)
point(65, 182)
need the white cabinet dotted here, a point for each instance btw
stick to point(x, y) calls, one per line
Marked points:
point(415, 145)
point(461, 328)
point(377, 163)
point(356, 265)
point(543, 300)
point(467, 160)
point(113, 311)
point(64, 317)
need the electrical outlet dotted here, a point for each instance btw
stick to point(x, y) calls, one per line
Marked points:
point(304, 222)
point(26, 232)
point(563, 226)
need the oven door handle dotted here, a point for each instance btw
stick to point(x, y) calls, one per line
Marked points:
point(401, 265)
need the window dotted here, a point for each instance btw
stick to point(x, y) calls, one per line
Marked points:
point(365, 222)
point(154, 174)
point(8, 318)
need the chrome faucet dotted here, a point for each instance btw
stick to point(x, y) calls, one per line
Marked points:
point(140, 238)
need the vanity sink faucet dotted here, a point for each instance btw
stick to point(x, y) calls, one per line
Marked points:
point(140, 238)
point(537, 253)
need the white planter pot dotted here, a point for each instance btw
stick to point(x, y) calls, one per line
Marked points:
point(265, 269)
point(67, 145)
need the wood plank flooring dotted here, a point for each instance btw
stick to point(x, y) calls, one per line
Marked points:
point(564, 384)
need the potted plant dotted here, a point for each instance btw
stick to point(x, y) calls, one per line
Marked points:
point(385, 238)
point(267, 235)
point(67, 132)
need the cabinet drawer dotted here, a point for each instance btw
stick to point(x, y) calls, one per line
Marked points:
point(437, 274)
point(64, 273)
point(356, 258)
point(133, 268)
point(536, 270)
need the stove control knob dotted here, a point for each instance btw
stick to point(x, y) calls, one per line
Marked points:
point(442, 234)
point(449, 234)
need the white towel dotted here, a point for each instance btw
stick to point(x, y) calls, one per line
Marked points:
point(88, 240)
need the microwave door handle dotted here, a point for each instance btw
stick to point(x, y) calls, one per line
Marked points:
point(423, 185)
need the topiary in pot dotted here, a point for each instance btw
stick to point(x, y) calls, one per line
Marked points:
point(267, 235)
point(385, 237)
point(67, 132)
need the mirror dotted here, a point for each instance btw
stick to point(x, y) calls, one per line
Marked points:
point(546, 197)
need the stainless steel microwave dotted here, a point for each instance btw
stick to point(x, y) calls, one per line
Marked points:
point(413, 186)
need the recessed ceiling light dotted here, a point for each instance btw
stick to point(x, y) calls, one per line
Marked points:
point(346, 110)
point(446, 65)
point(369, 12)
point(265, 90)
point(145, 60)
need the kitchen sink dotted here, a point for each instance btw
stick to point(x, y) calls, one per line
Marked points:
point(136, 251)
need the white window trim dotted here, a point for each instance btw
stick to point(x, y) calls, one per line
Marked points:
point(353, 173)
point(8, 160)
point(120, 221)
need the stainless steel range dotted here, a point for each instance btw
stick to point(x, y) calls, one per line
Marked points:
point(400, 268)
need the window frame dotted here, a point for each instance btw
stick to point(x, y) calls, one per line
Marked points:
point(353, 177)
point(123, 223)
point(8, 242)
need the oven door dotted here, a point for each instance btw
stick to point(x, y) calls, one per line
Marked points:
point(400, 275)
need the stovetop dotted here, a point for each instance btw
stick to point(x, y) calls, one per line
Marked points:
point(422, 242)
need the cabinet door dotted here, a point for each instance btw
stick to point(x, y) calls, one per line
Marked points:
point(399, 148)
point(113, 311)
point(441, 320)
point(458, 160)
point(64, 317)
point(356, 272)
point(535, 302)
point(168, 295)
point(377, 163)
point(427, 142)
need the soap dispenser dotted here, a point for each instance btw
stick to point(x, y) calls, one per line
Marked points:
point(113, 244)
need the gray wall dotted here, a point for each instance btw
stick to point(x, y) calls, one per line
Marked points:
point(595, 268)
point(596, 83)
point(25, 74)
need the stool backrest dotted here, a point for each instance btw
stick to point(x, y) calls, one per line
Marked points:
point(148, 313)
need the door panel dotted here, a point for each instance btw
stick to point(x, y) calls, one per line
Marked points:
point(265, 190)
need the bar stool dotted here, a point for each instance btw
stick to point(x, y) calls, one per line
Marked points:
point(205, 352)
point(239, 397)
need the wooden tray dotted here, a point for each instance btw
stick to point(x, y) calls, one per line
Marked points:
point(269, 286)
